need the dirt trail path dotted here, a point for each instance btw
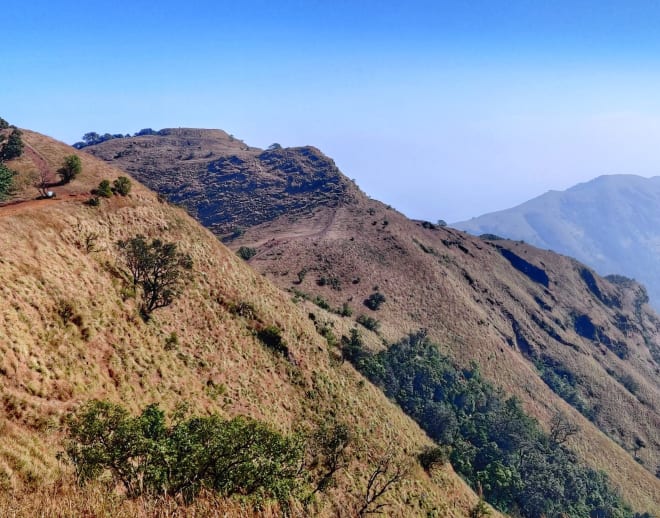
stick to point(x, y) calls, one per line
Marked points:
point(48, 175)
point(317, 227)
point(17, 207)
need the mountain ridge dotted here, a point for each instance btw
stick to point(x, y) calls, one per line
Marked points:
point(71, 331)
point(608, 223)
point(529, 318)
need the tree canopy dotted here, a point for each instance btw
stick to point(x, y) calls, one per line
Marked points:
point(71, 168)
point(157, 268)
point(13, 148)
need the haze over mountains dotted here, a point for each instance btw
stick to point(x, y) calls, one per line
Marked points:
point(540, 326)
point(611, 223)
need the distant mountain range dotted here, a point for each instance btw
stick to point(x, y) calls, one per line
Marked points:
point(611, 223)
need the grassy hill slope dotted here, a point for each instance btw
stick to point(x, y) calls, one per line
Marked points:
point(540, 326)
point(70, 331)
point(547, 329)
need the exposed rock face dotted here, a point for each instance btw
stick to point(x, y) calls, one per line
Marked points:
point(225, 184)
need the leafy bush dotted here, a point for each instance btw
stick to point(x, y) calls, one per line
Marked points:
point(3, 124)
point(345, 310)
point(432, 457)
point(122, 186)
point(368, 322)
point(103, 190)
point(71, 168)
point(352, 348)
point(333, 282)
point(271, 337)
point(491, 237)
point(322, 303)
point(146, 455)
point(374, 301)
point(13, 148)
point(246, 253)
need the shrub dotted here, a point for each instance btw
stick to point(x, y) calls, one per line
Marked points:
point(432, 457)
point(369, 322)
point(122, 186)
point(103, 190)
point(172, 341)
point(236, 232)
point(93, 201)
point(345, 310)
point(145, 455)
point(71, 168)
point(322, 303)
point(374, 301)
point(3, 124)
point(271, 337)
point(352, 348)
point(246, 253)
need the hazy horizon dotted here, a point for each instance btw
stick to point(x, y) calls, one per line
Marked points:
point(445, 110)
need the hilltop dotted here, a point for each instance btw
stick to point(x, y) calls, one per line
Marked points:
point(540, 326)
point(70, 331)
point(611, 223)
point(225, 184)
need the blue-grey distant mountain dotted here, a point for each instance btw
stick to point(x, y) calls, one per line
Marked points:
point(611, 223)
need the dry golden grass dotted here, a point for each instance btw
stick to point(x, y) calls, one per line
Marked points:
point(49, 363)
point(467, 295)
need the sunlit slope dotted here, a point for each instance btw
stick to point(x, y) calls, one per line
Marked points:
point(70, 331)
point(539, 325)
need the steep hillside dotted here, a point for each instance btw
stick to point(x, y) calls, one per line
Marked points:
point(225, 184)
point(540, 326)
point(611, 223)
point(70, 331)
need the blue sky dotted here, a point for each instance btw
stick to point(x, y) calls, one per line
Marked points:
point(444, 109)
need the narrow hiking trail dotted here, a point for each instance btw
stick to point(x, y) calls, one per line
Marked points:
point(19, 206)
point(47, 176)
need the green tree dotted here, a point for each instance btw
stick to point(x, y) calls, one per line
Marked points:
point(374, 301)
point(156, 267)
point(122, 186)
point(13, 148)
point(329, 444)
point(146, 455)
point(104, 190)
point(6, 181)
point(246, 253)
point(71, 168)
